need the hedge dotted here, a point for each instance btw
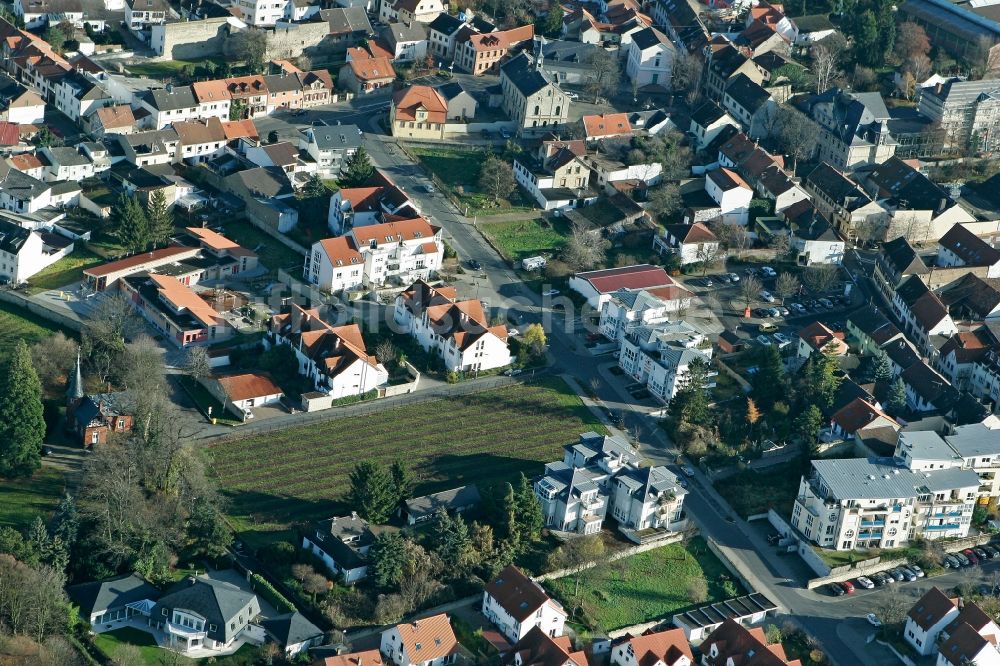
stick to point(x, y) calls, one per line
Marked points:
point(271, 595)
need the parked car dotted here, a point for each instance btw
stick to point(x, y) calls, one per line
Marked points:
point(767, 271)
point(848, 586)
point(774, 312)
point(980, 553)
point(766, 297)
point(826, 303)
point(971, 555)
point(725, 279)
point(768, 327)
point(962, 559)
point(751, 271)
point(688, 470)
point(878, 579)
point(782, 339)
point(734, 277)
point(782, 310)
point(572, 95)
point(798, 308)
point(835, 590)
point(429, 188)
point(504, 132)
point(950, 562)
point(873, 620)
point(475, 265)
point(761, 313)
point(764, 340)
point(907, 574)
point(865, 582)
point(708, 282)
point(896, 575)
point(915, 569)
point(991, 551)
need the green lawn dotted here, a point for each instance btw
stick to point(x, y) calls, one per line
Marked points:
point(518, 239)
point(67, 270)
point(751, 492)
point(110, 642)
point(643, 587)
point(301, 474)
point(23, 499)
point(163, 69)
point(203, 399)
point(17, 324)
point(273, 253)
point(458, 170)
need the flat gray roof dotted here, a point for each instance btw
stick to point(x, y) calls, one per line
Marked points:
point(860, 478)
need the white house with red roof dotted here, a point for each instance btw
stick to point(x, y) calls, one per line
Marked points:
point(334, 358)
point(375, 255)
point(731, 192)
point(429, 641)
point(692, 243)
point(516, 605)
point(818, 337)
point(370, 203)
point(539, 649)
point(457, 331)
point(927, 618)
point(606, 126)
point(859, 418)
point(240, 393)
point(669, 647)
point(598, 286)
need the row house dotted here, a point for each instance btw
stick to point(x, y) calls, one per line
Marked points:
point(750, 104)
point(707, 122)
point(142, 15)
point(18, 104)
point(66, 164)
point(731, 193)
point(660, 357)
point(958, 356)
point(442, 35)
point(631, 308)
point(78, 96)
point(481, 53)
point(364, 73)
point(214, 99)
point(650, 59)
point(869, 329)
point(406, 43)
point(960, 247)
point(200, 141)
point(724, 63)
point(249, 94)
point(165, 106)
point(896, 262)
point(376, 254)
point(967, 112)
point(927, 391)
point(117, 119)
point(410, 11)
point(457, 331)
point(861, 503)
point(973, 298)
point(334, 358)
point(348, 27)
point(922, 313)
point(842, 201)
point(601, 476)
point(985, 379)
point(918, 208)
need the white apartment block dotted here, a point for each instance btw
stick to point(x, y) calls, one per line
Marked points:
point(629, 308)
point(516, 605)
point(650, 59)
point(861, 503)
point(975, 446)
point(601, 476)
point(375, 255)
point(264, 13)
point(457, 331)
point(660, 356)
point(24, 253)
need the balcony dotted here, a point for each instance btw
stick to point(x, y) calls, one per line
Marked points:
point(872, 523)
point(186, 632)
point(869, 535)
point(941, 528)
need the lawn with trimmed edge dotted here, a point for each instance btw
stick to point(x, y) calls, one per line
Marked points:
point(23, 499)
point(111, 641)
point(17, 324)
point(275, 479)
point(66, 271)
point(643, 587)
point(518, 239)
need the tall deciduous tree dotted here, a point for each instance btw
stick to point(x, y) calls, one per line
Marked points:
point(372, 492)
point(53, 358)
point(359, 169)
point(160, 219)
point(796, 134)
point(584, 250)
point(604, 73)
point(197, 363)
point(496, 178)
point(786, 285)
point(664, 201)
point(22, 426)
point(911, 40)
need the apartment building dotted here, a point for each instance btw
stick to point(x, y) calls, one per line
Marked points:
point(967, 112)
point(975, 447)
point(601, 476)
point(660, 356)
point(530, 98)
point(855, 128)
point(630, 308)
point(877, 503)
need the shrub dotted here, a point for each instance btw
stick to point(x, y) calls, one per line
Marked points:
point(280, 553)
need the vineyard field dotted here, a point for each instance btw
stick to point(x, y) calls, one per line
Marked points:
point(273, 480)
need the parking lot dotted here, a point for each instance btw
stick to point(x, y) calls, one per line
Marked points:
point(771, 321)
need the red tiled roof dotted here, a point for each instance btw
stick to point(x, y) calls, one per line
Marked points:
point(372, 69)
point(248, 385)
point(365, 658)
point(428, 638)
point(10, 134)
point(858, 414)
point(134, 261)
point(818, 335)
point(516, 593)
point(640, 276)
point(606, 124)
point(409, 100)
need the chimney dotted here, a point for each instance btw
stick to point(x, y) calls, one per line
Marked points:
point(354, 514)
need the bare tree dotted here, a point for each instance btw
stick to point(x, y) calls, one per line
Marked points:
point(53, 358)
point(664, 201)
point(105, 333)
point(708, 256)
point(385, 352)
point(825, 62)
point(786, 285)
point(821, 279)
point(919, 66)
point(891, 606)
point(584, 250)
point(250, 46)
point(780, 243)
point(750, 288)
point(197, 363)
point(686, 75)
point(796, 134)
point(604, 73)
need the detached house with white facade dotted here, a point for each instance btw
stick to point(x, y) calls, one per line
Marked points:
point(692, 243)
point(732, 194)
point(457, 331)
point(927, 618)
point(650, 59)
point(429, 641)
point(342, 543)
point(629, 308)
point(516, 605)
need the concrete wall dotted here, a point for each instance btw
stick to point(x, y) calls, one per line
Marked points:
point(190, 40)
point(459, 129)
point(55, 316)
point(291, 42)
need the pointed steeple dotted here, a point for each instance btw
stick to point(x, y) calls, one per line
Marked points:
point(75, 389)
